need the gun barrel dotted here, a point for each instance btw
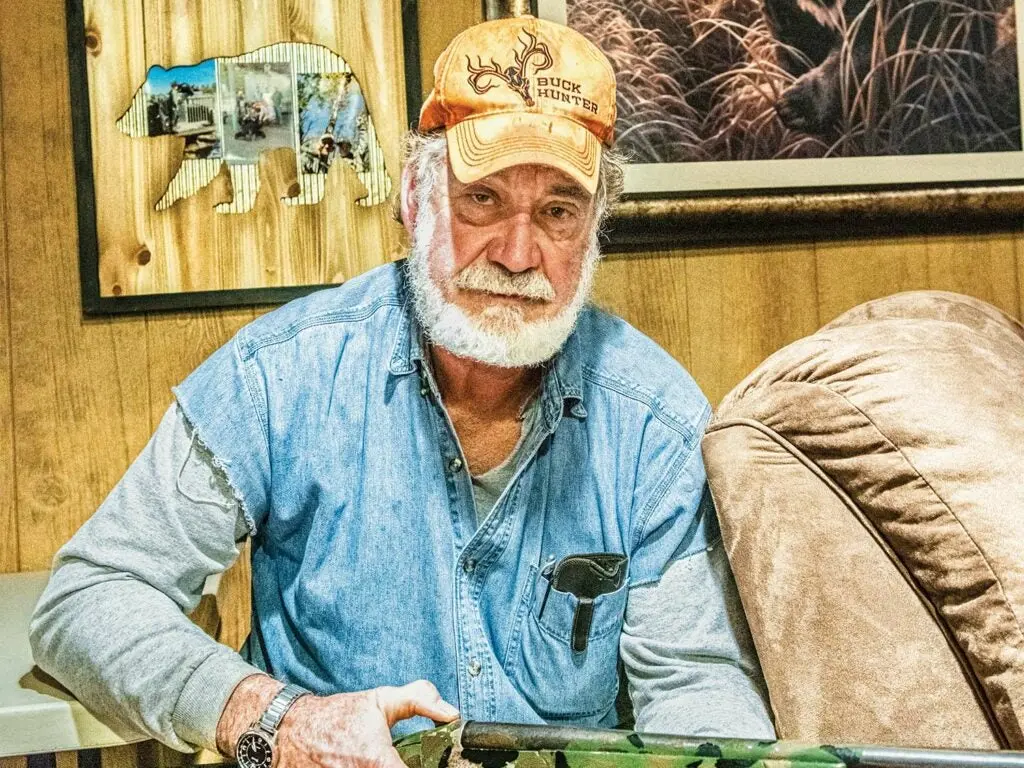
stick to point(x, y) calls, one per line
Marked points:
point(478, 737)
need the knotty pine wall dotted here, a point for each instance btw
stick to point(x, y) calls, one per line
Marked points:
point(79, 397)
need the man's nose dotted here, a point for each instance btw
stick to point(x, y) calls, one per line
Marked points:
point(517, 249)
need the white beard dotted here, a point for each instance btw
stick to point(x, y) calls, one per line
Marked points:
point(500, 336)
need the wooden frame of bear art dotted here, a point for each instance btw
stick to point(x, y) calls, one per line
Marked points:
point(225, 160)
point(767, 120)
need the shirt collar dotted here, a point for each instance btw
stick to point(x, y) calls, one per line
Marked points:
point(402, 356)
point(405, 353)
point(562, 387)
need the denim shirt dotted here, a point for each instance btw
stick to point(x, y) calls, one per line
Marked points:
point(369, 567)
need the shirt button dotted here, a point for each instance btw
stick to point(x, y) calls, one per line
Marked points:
point(469, 566)
point(455, 465)
point(474, 668)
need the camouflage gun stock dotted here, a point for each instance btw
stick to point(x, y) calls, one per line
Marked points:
point(500, 745)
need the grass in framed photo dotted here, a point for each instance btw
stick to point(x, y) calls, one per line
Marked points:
point(727, 96)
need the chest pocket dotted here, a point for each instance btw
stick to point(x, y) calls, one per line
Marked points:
point(559, 681)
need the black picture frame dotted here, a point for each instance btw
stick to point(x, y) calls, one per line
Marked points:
point(93, 303)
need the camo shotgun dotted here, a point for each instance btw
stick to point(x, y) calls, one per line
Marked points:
point(501, 745)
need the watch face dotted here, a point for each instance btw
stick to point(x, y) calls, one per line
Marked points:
point(254, 751)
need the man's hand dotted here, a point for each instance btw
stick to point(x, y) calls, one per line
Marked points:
point(346, 730)
point(354, 729)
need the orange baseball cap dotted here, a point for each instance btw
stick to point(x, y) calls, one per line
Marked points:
point(522, 90)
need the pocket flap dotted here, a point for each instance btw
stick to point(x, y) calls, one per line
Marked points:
point(556, 611)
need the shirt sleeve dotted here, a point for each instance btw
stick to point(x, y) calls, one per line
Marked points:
point(690, 662)
point(112, 626)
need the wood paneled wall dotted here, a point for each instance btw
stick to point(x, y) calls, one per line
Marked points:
point(721, 312)
point(79, 397)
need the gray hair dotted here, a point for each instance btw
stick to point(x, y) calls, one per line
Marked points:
point(426, 154)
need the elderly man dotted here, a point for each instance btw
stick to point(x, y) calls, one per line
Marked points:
point(452, 469)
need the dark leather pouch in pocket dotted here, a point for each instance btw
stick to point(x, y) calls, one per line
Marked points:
point(586, 577)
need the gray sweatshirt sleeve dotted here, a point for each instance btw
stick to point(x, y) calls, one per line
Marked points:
point(689, 659)
point(112, 625)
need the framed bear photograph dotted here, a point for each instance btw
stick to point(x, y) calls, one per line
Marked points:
point(751, 119)
point(227, 158)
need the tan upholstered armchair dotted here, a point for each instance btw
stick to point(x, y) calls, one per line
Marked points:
point(870, 485)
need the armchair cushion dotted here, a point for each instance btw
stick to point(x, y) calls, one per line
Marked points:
point(903, 418)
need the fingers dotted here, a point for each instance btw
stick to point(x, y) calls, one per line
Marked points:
point(418, 698)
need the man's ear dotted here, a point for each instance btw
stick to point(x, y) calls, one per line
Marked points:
point(408, 198)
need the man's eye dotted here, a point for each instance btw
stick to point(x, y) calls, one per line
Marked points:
point(559, 212)
point(480, 198)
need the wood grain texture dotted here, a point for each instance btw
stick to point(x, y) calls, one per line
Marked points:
point(8, 512)
point(851, 273)
point(119, 757)
point(1019, 248)
point(438, 29)
point(742, 306)
point(13, 762)
point(190, 247)
point(649, 291)
point(65, 760)
point(81, 409)
point(984, 266)
point(153, 754)
point(118, 61)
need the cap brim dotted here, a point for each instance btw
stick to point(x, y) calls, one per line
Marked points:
point(480, 146)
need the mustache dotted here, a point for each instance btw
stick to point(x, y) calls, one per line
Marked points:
point(490, 278)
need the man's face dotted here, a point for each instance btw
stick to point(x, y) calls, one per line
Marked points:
point(502, 266)
point(518, 239)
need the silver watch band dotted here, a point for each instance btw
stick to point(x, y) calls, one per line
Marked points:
point(284, 699)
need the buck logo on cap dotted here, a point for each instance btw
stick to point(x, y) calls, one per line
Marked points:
point(504, 113)
point(514, 77)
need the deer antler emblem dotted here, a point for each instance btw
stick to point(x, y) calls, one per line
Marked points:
point(514, 77)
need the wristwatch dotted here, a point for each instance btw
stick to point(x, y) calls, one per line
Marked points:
point(255, 747)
